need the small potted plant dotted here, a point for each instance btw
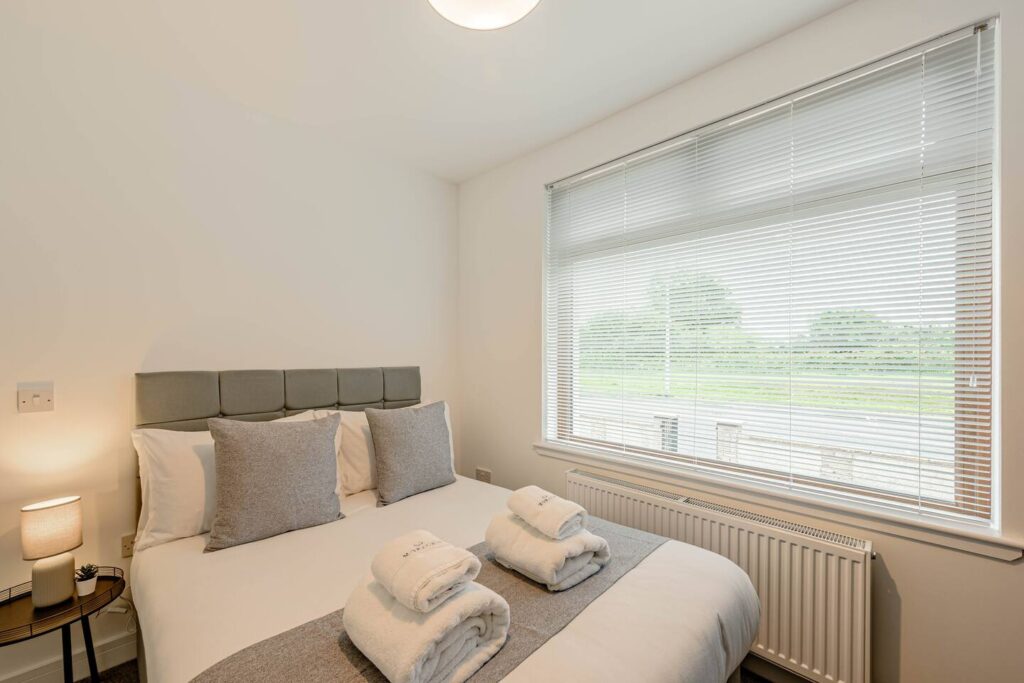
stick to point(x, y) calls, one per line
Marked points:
point(85, 579)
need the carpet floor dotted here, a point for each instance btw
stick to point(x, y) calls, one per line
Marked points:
point(122, 673)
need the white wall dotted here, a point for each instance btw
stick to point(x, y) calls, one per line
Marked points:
point(149, 222)
point(938, 614)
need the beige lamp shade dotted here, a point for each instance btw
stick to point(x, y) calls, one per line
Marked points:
point(51, 527)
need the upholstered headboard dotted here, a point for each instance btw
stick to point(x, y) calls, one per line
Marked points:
point(183, 401)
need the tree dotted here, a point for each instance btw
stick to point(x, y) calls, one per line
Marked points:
point(691, 299)
point(686, 311)
point(621, 339)
point(857, 340)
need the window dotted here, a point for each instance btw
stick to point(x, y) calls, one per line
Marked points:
point(800, 295)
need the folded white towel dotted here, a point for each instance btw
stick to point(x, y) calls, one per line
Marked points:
point(448, 644)
point(422, 571)
point(547, 513)
point(557, 564)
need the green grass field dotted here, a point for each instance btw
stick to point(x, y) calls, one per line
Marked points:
point(933, 394)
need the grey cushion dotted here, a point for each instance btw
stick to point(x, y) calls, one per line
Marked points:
point(412, 449)
point(358, 386)
point(247, 392)
point(401, 384)
point(305, 389)
point(176, 396)
point(272, 477)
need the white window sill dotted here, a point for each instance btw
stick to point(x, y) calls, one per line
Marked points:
point(979, 540)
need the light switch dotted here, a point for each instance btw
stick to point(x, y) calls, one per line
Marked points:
point(35, 397)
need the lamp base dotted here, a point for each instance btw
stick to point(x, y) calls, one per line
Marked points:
point(53, 580)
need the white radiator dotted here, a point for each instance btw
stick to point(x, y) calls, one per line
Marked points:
point(814, 585)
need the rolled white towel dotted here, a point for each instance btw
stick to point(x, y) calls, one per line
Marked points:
point(547, 513)
point(448, 644)
point(422, 571)
point(557, 564)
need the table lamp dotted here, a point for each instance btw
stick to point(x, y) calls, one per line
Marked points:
point(49, 531)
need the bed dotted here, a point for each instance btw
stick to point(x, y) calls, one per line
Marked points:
point(682, 614)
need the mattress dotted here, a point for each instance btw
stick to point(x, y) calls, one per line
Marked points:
point(683, 614)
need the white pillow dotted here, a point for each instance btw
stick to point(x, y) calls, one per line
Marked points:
point(178, 479)
point(179, 486)
point(355, 452)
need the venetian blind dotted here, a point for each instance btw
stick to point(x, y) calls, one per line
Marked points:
point(799, 295)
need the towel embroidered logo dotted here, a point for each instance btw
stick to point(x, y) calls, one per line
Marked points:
point(420, 546)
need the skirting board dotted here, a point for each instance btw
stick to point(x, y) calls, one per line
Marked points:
point(109, 653)
point(769, 672)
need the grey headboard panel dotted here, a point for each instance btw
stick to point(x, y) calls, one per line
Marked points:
point(183, 401)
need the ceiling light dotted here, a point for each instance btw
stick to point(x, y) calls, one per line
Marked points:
point(483, 15)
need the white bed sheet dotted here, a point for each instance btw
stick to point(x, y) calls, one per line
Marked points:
point(683, 614)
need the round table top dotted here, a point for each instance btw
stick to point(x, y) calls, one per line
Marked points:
point(19, 620)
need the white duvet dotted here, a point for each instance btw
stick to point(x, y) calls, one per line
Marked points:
point(683, 614)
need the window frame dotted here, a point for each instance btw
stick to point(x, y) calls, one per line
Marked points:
point(973, 511)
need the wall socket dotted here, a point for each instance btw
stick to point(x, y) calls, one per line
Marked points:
point(128, 545)
point(35, 397)
point(483, 474)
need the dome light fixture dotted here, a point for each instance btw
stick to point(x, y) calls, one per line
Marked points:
point(483, 15)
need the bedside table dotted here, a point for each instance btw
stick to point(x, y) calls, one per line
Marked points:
point(20, 621)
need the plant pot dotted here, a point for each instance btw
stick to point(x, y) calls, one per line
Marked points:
point(87, 587)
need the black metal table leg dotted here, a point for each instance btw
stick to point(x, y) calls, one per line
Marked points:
point(65, 639)
point(89, 651)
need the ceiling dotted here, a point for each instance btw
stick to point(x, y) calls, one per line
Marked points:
point(394, 76)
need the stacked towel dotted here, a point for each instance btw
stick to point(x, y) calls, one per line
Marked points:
point(547, 513)
point(447, 644)
point(557, 564)
point(421, 571)
point(543, 537)
point(420, 617)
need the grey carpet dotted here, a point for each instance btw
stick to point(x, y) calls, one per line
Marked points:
point(122, 673)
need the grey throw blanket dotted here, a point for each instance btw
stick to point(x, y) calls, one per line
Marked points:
point(316, 652)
